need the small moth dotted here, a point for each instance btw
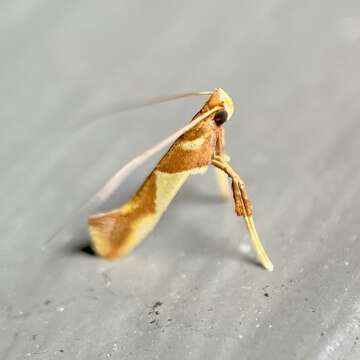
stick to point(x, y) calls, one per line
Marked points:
point(197, 145)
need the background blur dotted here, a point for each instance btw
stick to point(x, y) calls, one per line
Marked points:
point(193, 289)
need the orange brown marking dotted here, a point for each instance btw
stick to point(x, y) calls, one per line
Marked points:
point(117, 223)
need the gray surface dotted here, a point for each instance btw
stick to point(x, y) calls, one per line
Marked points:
point(293, 71)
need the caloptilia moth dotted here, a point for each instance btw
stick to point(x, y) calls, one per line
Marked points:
point(116, 233)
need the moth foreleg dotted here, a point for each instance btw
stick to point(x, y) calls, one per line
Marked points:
point(222, 180)
point(223, 184)
point(243, 207)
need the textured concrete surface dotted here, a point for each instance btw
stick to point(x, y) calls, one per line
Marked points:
point(193, 289)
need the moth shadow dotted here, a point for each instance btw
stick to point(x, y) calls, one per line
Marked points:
point(79, 243)
point(195, 242)
point(79, 247)
point(84, 248)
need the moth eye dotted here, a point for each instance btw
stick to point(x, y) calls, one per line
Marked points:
point(220, 117)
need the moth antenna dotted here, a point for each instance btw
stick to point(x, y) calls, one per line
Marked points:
point(115, 109)
point(133, 164)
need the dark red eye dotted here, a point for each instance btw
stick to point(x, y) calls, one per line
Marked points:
point(220, 117)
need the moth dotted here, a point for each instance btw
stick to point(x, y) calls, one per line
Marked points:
point(197, 146)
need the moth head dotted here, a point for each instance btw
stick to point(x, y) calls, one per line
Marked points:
point(220, 98)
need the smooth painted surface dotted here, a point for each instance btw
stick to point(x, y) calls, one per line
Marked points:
point(193, 289)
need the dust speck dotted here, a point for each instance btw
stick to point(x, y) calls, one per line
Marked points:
point(157, 304)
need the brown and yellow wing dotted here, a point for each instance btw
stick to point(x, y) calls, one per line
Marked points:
point(117, 232)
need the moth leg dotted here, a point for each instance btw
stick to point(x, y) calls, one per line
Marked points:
point(243, 207)
point(222, 181)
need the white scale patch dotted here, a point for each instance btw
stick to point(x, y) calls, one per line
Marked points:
point(193, 144)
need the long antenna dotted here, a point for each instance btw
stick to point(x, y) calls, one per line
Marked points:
point(114, 109)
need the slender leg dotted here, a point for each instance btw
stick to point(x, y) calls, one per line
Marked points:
point(243, 207)
point(223, 184)
point(222, 180)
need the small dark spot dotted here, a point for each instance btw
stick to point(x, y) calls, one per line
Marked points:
point(169, 319)
point(34, 336)
point(157, 304)
point(47, 302)
point(357, 338)
point(306, 299)
point(322, 333)
point(153, 310)
point(266, 294)
point(152, 321)
point(61, 350)
point(210, 309)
